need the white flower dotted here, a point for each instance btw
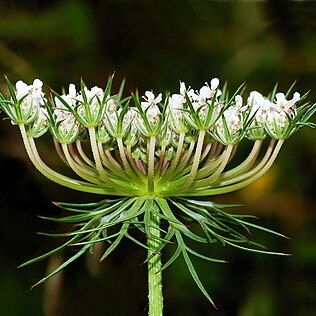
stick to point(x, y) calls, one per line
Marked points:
point(33, 98)
point(287, 105)
point(175, 103)
point(33, 91)
point(259, 106)
point(68, 127)
point(238, 102)
point(150, 106)
point(111, 104)
point(67, 123)
point(273, 116)
point(234, 120)
point(69, 98)
point(150, 100)
point(94, 98)
point(94, 93)
point(208, 91)
point(129, 118)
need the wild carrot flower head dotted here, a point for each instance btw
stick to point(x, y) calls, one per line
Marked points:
point(154, 158)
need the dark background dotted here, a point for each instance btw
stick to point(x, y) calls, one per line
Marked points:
point(154, 44)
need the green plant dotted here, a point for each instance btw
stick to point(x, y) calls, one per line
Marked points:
point(155, 162)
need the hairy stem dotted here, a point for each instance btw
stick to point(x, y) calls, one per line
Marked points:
point(151, 163)
point(220, 168)
point(178, 153)
point(82, 154)
point(82, 172)
point(123, 155)
point(155, 297)
point(96, 155)
point(246, 164)
point(53, 175)
point(241, 184)
point(253, 171)
point(196, 159)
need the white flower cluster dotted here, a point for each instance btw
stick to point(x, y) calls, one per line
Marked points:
point(68, 127)
point(275, 116)
point(226, 120)
point(31, 98)
point(32, 111)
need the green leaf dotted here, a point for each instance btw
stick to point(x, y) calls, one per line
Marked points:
point(257, 250)
point(62, 266)
point(117, 241)
point(204, 257)
point(196, 277)
point(174, 257)
point(48, 254)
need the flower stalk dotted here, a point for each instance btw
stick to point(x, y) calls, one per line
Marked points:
point(155, 296)
point(151, 164)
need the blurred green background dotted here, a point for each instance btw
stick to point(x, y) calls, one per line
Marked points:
point(154, 44)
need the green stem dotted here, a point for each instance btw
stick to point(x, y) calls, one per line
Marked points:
point(59, 151)
point(241, 184)
point(151, 163)
point(83, 155)
point(155, 297)
point(82, 172)
point(253, 171)
point(196, 160)
point(177, 156)
point(133, 163)
point(246, 164)
point(96, 155)
point(123, 156)
point(53, 175)
point(219, 169)
point(110, 164)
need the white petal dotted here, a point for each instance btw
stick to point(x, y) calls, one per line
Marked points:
point(205, 92)
point(72, 90)
point(37, 84)
point(183, 88)
point(21, 87)
point(238, 101)
point(214, 83)
point(150, 96)
point(158, 99)
point(296, 97)
point(145, 105)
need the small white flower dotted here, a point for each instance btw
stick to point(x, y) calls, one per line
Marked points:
point(175, 103)
point(150, 106)
point(234, 122)
point(111, 104)
point(33, 91)
point(94, 99)
point(208, 91)
point(22, 89)
point(69, 98)
point(273, 116)
point(150, 99)
point(129, 118)
point(287, 105)
point(33, 98)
